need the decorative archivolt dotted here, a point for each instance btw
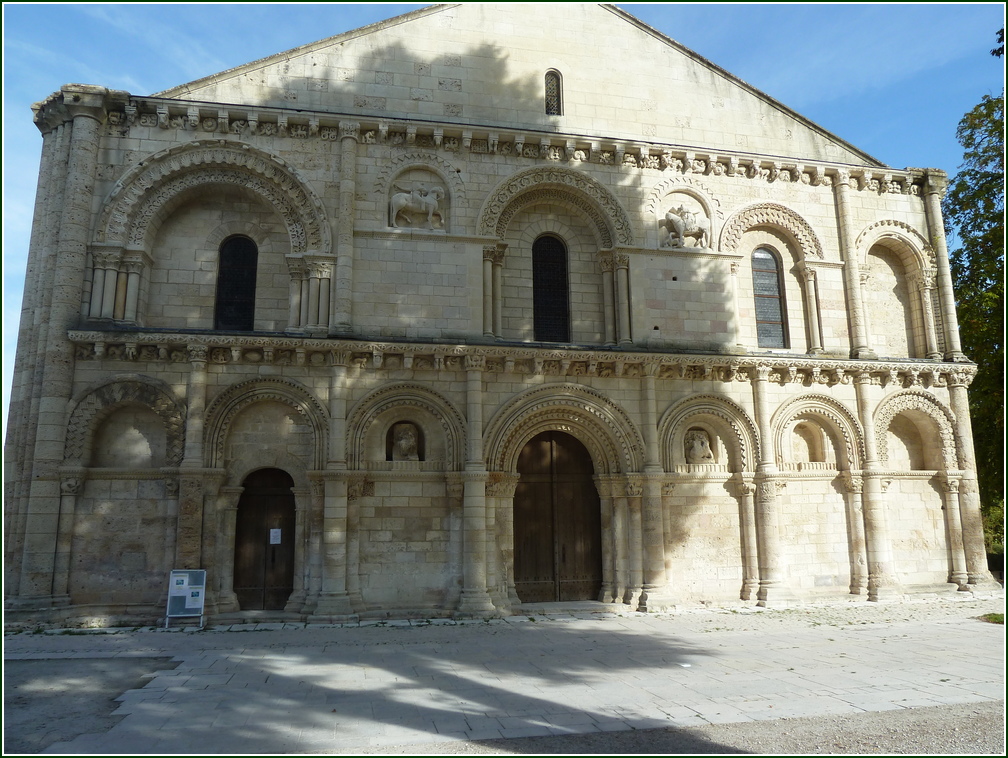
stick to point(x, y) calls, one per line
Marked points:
point(827, 412)
point(406, 396)
point(556, 184)
point(909, 241)
point(227, 405)
point(689, 186)
point(98, 402)
point(424, 160)
point(605, 429)
point(138, 201)
point(916, 401)
point(771, 214)
point(739, 431)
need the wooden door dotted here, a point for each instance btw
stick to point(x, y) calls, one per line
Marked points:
point(264, 541)
point(557, 522)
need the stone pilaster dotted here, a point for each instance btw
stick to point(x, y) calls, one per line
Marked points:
point(227, 520)
point(653, 533)
point(85, 105)
point(969, 491)
point(341, 319)
point(475, 600)
point(856, 547)
point(852, 269)
point(934, 190)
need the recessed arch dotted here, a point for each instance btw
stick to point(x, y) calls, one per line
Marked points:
point(225, 408)
point(832, 416)
point(565, 186)
point(732, 424)
point(612, 440)
point(142, 198)
point(776, 216)
point(914, 401)
point(97, 402)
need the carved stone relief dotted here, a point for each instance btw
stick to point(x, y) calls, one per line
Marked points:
point(697, 446)
point(418, 200)
point(685, 224)
point(405, 441)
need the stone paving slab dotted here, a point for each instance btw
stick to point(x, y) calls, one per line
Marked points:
point(304, 689)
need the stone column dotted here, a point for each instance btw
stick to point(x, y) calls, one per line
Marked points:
point(622, 263)
point(953, 530)
point(488, 298)
point(196, 406)
point(475, 599)
point(852, 269)
point(302, 513)
point(70, 488)
point(736, 312)
point(606, 263)
point(604, 487)
point(934, 190)
point(336, 563)
point(635, 545)
point(620, 529)
point(745, 492)
point(653, 536)
point(771, 569)
point(668, 488)
point(924, 283)
point(812, 309)
point(969, 492)
point(455, 492)
point(882, 582)
point(341, 319)
point(227, 516)
point(857, 551)
point(86, 106)
point(134, 270)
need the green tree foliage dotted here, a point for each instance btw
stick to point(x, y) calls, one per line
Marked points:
point(974, 215)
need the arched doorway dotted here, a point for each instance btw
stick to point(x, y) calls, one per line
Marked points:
point(264, 541)
point(557, 522)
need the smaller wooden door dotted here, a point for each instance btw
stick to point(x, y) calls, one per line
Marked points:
point(557, 522)
point(264, 541)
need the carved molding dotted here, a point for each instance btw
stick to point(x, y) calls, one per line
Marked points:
point(606, 430)
point(140, 196)
point(775, 215)
point(405, 395)
point(913, 400)
point(744, 434)
point(821, 408)
point(228, 404)
point(908, 237)
point(98, 403)
point(556, 184)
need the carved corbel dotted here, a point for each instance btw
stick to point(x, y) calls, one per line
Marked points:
point(223, 121)
point(162, 116)
point(193, 116)
point(282, 124)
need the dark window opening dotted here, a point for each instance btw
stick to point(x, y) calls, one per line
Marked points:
point(550, 295)
point(236, 283)
point(771, 329)
point(554, 94)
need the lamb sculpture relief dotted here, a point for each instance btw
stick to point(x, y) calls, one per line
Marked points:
point(417, 201)
point(682, 223)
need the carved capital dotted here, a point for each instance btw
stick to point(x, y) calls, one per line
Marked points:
point(197, 353)
point(349, 130)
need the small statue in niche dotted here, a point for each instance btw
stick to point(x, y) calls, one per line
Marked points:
point(405, 440)
point(682, 223)
point(418, 200)
point(698, 449)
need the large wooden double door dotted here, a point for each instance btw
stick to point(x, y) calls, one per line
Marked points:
point(557, 522)
point(264, 541)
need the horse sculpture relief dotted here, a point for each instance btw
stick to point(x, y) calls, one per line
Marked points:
point(421, 202)
point(683, 224)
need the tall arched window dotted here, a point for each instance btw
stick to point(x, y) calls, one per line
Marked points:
point(554, 94)
point(550, 293)
point(771, 328)
point(236, 285)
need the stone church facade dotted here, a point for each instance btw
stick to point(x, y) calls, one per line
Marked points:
point(422, 320)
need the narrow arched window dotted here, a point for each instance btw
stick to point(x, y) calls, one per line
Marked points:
point(554, 94)
point(550, 294)
point(234, 310)
point(771, 329)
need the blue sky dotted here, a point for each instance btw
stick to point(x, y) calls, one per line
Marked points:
point(892, 79)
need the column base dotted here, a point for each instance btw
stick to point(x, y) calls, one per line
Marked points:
point(775, 594)
point(883, 590)
point(332, 605)
point(983, 582)
point(475, 603)
point(864, 354)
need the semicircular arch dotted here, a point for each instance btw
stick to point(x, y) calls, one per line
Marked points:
point(555, 184)
point(774, 215)
point(737, 429)
point(226, 406)
point(139, 202)
point(605, 429)
point(829, 413)
point(96, 402)
point(914, 401)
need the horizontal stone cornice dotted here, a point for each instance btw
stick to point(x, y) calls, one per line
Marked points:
point(289, 350)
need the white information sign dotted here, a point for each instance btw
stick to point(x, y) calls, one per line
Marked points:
point(186, 594)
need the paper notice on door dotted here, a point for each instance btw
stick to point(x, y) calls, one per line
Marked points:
point(274, 537)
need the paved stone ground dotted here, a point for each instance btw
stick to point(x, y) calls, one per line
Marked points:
point(561, 679)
